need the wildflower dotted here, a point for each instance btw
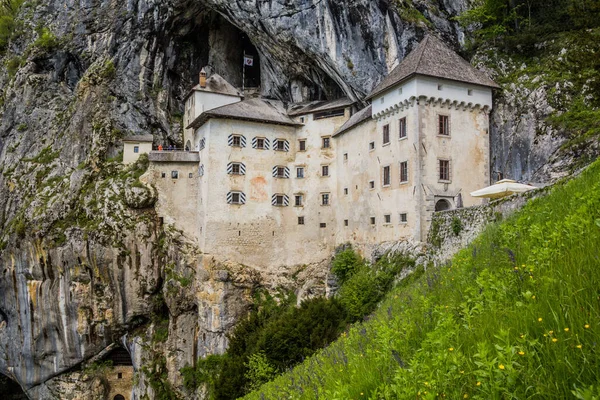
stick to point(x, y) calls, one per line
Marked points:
point(466, 396)
point(554, 340)
point(462, 372)
point(578, 346)
point(550, 332)
point(501, 366)
point(586, 326)
point(516, 268)
point(361, 393)
point(533, 297)
point(540, 319)
point(521, 353)
point(478, 383)
point(451, 349)
point(566, 329)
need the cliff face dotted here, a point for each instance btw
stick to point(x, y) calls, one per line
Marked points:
point(84, 260)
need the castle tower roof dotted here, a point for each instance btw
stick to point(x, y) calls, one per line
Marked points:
point(434, 58)
point(216, 84)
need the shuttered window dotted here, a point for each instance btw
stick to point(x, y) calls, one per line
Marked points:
point(281, 172)
point(281, 145)
point(236, 141)
point(260, 143)
point(280, 200)
point(235, 197)
point(236, 168)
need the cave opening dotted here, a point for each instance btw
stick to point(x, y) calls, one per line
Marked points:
point(10, 389)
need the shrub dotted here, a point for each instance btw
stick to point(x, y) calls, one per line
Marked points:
point(345, 264)
point(46, 40)
point(457, 226)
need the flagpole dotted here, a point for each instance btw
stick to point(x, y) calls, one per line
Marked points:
point(244, 73)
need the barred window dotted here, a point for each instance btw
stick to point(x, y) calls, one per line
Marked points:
point(444, 170)
point(444, 128)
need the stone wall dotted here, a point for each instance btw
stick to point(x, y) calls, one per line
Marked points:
point(453, 230)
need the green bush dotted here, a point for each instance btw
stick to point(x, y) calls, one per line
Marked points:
point(345, 264)
point(46, 40)
point(457, 226)
point(8, 23)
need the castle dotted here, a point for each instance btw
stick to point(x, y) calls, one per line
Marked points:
point(268, 185)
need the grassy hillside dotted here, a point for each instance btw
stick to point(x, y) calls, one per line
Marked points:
point(515, 315)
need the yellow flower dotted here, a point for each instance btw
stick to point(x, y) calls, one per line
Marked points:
point(478, 383)
point(451, 349)
point(361, 393)
point(554, 340)
point(586, 326)
point(501, 366)
point(533, 297)
point(566, 329)
point(550, 332)
point(540, 319)
point(516, 268)
point(466, 396)
point(578, 346)
point(521, 353)
point(462, 372)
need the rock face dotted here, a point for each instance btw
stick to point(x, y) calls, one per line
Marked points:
point(84, 260)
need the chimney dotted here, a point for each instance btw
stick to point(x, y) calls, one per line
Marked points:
point(203, 78)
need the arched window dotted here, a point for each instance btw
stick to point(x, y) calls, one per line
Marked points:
point(442, 205)
point(119, 397)
point(188, 146)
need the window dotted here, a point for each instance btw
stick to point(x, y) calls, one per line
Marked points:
point(402, 128)
point(387, 176)
point(136, 149)
point(300, 172)
point(371, 184)
point(346, 191)
point(300, 220)
point(386, 134)
point(326, 142)
point(301, 120)
point(324, 199)
point(372, 220)
point(345, 156)
point(444, 170)
point(190, 175)
point(404, 172)
point(299, 200)
point(325, 170)
point(444, 128)
point(470, 92)
point(345, 222)
point(237, 141)
point(236, 198)
point(340, 112)
point(323, 225)
point(163, 174)
point(236, 168)
point(281, 145)
point(302, 145)
point(281, 172)
point(174, 174)
point(260, 143)
point(371, 146)
point(120, 375)
point(387, 218)
point(280, 200)
point(403, 218)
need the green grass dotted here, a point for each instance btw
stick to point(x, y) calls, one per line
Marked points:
point(514, 315)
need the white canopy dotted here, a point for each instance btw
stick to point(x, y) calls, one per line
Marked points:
point(502, 188)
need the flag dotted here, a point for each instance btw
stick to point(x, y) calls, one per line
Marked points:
point(248, 60)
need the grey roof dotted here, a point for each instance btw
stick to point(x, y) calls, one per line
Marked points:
point(433, 58)
point(258, 110)
point(357, 119)
point(139, 138)
point(318, 106)
point(216, 84)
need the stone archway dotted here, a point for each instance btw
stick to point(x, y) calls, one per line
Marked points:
point(442, 205)
point(119, 397)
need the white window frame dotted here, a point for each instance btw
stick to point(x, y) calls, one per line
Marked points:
point(385, 133)
point(326, 199)
point(325, 168)
point(402, 129)
point(303, 175)
point(403, 181)
point(389, 176)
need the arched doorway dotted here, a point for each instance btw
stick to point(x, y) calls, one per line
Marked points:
point(442, 205)
point(119, 397)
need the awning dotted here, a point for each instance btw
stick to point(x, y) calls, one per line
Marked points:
point(502, 188)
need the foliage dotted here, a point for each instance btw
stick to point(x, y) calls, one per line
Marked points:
point(8, 23)
point(259, 371)
point(514, 315)
point(13, 65)
point(345, 264)
point(456, 225)
point(46, 40)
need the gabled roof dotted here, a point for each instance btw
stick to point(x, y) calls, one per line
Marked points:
point(216, 84)
point(357, 119)
point(318, 106)
point(433, 58)
point(139, 138)
point(257, 110)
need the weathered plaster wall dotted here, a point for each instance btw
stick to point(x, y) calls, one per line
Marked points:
point(130, 156)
